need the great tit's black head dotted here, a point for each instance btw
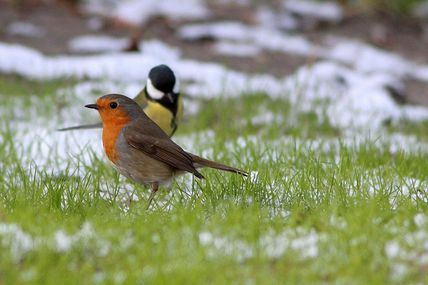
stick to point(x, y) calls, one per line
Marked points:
point(161, 81)
point(163, 87)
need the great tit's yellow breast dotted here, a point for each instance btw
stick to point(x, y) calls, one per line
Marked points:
point(179, 116)
point(160, 115)
point(141, 99)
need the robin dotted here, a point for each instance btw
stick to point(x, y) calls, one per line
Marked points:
point(139, 148)
point(160, 100)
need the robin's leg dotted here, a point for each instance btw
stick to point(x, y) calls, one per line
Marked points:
point(154, 188)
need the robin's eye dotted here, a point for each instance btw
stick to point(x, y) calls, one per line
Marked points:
point(113, 105)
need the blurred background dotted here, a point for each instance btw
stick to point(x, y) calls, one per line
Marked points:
point(83, 27)
point(345, 67)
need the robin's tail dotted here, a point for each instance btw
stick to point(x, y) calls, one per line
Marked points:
point(202, 162)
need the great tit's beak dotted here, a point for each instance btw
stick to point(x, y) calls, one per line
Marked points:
point(170, 97)
point(92, 106)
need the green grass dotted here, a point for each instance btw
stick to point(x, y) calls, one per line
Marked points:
point(319, 210)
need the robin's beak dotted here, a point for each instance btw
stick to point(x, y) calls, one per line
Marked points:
point(170, 97)
point(92, 106)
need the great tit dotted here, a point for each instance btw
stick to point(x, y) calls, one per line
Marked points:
point(160, 100)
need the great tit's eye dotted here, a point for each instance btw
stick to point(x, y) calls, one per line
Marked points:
point(113, 105)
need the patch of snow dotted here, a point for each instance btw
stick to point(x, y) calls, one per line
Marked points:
point(20, 243)
point(226, 246)
point(25, 29)
point(326, 11)
point(97, 43)
point(138, 12)
point(355, 99)
point(392, 249)
point(273, 245)
point(51, 149)
point(406, 251)
point(348, 99)
point(420, 219)
point(421, 73)
point(368, 59)
point(305, 243)
point(160, 50)
point(265, 38)
point(64, 242)
point(409, 188)
point(119, 66)
point(14, 238)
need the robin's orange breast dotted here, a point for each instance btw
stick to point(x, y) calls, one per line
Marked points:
point(111, 132)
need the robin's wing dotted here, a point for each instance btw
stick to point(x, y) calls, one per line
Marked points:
point(146, 136)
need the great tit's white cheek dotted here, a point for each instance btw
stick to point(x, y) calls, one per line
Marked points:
point(153, 92)
point(176, 88)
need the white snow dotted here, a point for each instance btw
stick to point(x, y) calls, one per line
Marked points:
point(261, 37)
point(355, 100)
point(97, 43)
point(138, 12)
point(302, 242)
point(406, 250)
point(13, 237)
point(368, 59)
point(25, 29)
point(64, 242)
point(208, 79)
point(226, 246)
point(19, 242)
point(420, 219)
point(327, 11)
point(52, 150)
point(361, 57)
point(392, 249)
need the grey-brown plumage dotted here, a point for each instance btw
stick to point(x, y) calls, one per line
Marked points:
point(140, 149)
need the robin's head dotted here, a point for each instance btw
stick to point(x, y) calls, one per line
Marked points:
point(116, 108)
point(163, 87)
